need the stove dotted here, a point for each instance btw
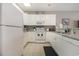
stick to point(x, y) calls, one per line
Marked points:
point(40, 34)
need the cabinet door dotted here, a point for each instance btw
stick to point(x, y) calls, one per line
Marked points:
point(31, 36)
point(41, 19)
point(26, 19)
point(69, 48)
point(47, 20)
point(58, 44)
point(38, 19)
point(50, 20)
point(32, 19)
point(29, 19)
point(53, 19)
point(50, 37)
point(64, 46)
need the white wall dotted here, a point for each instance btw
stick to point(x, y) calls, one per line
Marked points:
point(72, 15)
point(12, 37)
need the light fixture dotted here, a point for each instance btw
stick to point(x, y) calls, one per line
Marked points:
point(27, 4)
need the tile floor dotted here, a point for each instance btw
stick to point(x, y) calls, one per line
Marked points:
point(35, 49)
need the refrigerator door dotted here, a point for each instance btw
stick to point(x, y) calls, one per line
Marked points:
point(12, 40)
point(11, 29)
point(11, 15)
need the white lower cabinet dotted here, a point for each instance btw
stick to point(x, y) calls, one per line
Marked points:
point(65, 46)
point(58, 42)
point(55, 40)
point(50, 36)
point(69, 48)
point(31, 36)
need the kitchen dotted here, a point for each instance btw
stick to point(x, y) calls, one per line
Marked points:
point(59, 23)
point(29, 30)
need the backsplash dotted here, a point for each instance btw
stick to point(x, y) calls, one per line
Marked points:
point(34, 27)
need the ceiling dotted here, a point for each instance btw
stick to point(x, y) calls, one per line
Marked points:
point(50, 7)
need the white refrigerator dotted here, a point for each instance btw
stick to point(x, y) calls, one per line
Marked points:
point(11, 28)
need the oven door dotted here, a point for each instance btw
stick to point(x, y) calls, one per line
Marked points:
point(40, 36)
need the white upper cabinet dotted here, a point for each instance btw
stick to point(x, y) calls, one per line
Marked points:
point(31, 20)
point(53, 19)
point(41, 19)
point(25, 19)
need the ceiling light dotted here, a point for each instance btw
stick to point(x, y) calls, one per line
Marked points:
point(27, 4)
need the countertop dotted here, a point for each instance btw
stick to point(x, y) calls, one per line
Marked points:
point(71, 38)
